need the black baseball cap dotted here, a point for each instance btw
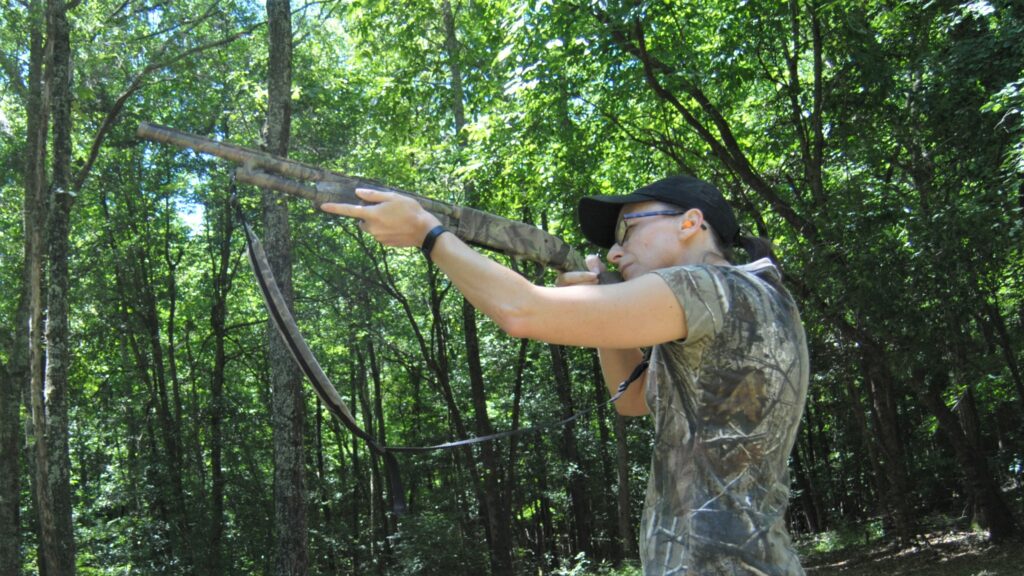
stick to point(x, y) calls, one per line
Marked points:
point(599, 214)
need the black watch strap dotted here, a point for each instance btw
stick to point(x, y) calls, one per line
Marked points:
point(428, 242)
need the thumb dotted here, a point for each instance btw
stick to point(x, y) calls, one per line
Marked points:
point(594, 264)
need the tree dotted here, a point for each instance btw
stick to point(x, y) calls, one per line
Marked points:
point(288, 407)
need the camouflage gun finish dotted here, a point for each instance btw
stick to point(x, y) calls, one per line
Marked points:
point(515, 239)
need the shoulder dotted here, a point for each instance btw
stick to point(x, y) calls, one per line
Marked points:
point(708, 294)
point(702, 280)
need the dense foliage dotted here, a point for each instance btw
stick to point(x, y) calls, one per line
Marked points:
point(879, 144)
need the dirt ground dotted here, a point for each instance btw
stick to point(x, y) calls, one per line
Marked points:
point(938, 554)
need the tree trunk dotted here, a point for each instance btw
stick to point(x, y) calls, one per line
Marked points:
point(55, 477)
point(357, 542)
point(806, 489)
point(627, 538)
point(374, 419)
point(993, 317)
point(608, 477)
point(495, 504)
point(170, 423)
point(20, 370)
point(879, 384)
point(287, 404)
point(378, 547)
point(220, 237)
point(542, 519)
point(979, 482)
point(805, 478)
point(323, 492)
point(581, 519)
point(12, 377)
point(511, 478)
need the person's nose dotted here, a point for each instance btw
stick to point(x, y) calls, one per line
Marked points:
point(615, 253)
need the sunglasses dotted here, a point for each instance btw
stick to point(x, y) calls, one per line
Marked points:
point(622, 228)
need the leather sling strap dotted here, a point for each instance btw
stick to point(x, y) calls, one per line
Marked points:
point(283, 320)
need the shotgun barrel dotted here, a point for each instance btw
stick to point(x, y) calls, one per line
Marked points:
point(476, 227)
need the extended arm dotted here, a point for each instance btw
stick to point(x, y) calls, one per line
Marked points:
point(642, 312)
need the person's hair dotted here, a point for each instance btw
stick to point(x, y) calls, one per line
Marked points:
point(756, 248)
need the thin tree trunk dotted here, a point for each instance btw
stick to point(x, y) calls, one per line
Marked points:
point(167, 406)
point(440, 366)
point(581, 518)
point(879, 384)
point(979, 481)
point(805, 478)
point(627, 538)
point(287, 405)
point(806, 489)
point(511, 479)
point(12, 377)
point(1004, 342)
point(20, 371)
point(58, 544)
point(608, 477)
point(221, 233)
point(870, 448)
point(375, 500)
point(356, 540)
point(495, 503)
point(375, 427)
point(324, 494)
point(543, 522)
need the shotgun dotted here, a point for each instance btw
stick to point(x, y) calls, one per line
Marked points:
point(476, 227)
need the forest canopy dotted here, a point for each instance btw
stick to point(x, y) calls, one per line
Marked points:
point(151, 421)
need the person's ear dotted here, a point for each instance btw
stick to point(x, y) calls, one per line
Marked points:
point(692, 218)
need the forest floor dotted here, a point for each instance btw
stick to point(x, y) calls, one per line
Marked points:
point(941, 553)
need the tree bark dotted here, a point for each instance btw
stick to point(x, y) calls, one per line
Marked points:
point(374, 420)
point(375, 499)
point(222, 230)
point(12, 377)
point(20, 371)
point(806, 479)
point(627, 538)
point(581, 519)
point(979, 481)
point(287, 404)
point(879, 385)
point(55, 474)
point(993, 317)
point(494, 505)
point(608, 476)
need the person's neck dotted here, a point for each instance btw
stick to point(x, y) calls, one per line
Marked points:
point(706, 258)
point(714, 259)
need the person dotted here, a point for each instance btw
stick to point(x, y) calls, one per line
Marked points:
point(728, 366)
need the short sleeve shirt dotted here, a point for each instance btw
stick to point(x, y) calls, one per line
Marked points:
point(726, 404)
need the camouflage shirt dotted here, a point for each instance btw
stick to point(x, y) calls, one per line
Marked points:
point(726, 406)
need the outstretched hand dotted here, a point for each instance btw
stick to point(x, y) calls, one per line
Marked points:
point(392, 219)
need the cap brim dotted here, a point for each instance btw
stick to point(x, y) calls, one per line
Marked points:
point(598, 215)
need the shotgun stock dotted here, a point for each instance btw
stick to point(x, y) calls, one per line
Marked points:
point(515, 239)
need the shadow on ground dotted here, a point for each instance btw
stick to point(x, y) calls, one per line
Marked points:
point(951, 553)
